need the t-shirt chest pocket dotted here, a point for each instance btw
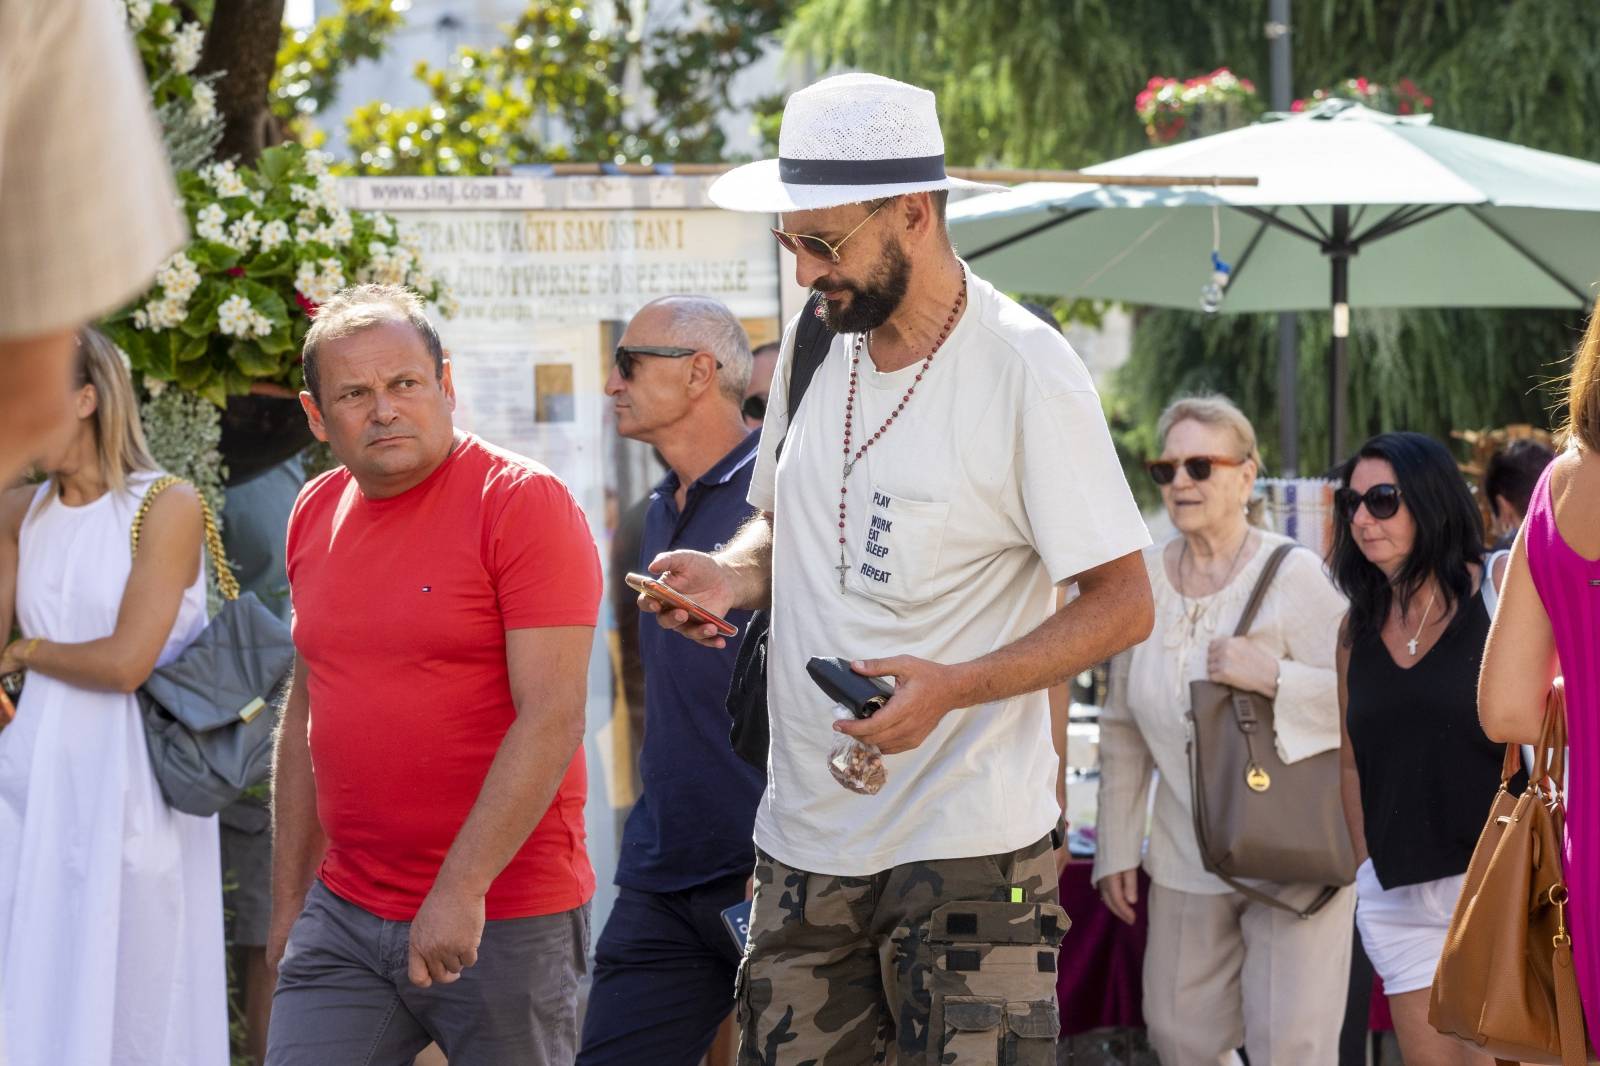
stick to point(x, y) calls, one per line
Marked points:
point(895, 546)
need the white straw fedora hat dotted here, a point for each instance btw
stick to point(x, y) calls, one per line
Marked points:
point(846, 139)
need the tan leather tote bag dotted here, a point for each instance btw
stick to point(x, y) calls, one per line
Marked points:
point(1505, 982)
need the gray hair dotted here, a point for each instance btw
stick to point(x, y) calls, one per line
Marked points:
point(362, 307)
point(701, 322)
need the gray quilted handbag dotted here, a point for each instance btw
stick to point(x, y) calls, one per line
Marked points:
point(209, 714)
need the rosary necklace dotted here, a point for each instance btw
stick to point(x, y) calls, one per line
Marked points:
point(850, 460)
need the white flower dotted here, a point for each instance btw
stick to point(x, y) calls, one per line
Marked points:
point(328, 193)
point(317, 163)
point(411, 243)
point(302, 194)
point(208, 224)
point(224, 178)
point(302, 235)
point(236, 317)
point(203, 104)
point(154, 386)
point(318, 282)
point(381, 226)
point(138, 13)
point(242, 234)
point(273, 234)
point(157, 315)
point(185, 48)
point(306, 217)
point(178, 278)
point(342, 229)
point(257, 197)
point(377, 249)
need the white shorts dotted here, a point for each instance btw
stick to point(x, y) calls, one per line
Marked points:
point(1403, 929)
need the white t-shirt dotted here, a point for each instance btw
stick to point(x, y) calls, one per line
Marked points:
point(996, 482)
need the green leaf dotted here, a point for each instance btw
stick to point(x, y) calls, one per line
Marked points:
point(265, 300)
point(215, 390)
point(188, 348)
point(249, 357)
point(278, 263)
point(202, 317)
point(193, 375)
point(277, 164)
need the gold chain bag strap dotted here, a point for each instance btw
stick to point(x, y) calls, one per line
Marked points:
point(202, 712)
point(1256, 816)
point(1505, 982)
point(226, 583)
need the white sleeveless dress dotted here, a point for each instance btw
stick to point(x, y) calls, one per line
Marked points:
point(111, 942)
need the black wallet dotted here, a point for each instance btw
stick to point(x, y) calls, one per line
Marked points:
point(862, 696)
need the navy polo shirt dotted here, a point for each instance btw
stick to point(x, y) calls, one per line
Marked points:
point(693, 821)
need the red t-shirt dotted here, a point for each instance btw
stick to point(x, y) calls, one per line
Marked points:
point(401, 607)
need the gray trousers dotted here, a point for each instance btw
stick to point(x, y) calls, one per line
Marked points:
point(343, 997)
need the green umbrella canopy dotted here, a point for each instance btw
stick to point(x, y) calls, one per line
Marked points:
point(1424, 216)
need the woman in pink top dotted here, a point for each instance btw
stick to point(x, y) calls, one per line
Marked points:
point(1548, 625)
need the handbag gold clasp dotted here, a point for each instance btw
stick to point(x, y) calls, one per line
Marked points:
point(1558, 896)
point(1256, 778)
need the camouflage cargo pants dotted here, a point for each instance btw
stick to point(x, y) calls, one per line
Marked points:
point(949, 962)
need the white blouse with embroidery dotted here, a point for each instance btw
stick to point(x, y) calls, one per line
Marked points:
point(1142, 727)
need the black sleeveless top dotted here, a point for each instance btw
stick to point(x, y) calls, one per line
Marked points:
point(1428, 773)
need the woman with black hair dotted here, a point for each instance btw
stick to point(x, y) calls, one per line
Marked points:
point(1419, 773)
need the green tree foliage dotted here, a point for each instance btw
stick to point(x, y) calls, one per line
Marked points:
point(555, 90)
point(310, 61)
point(1051, 83)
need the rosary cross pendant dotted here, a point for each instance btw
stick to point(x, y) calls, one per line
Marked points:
point(1411, 646)
point(843, 568)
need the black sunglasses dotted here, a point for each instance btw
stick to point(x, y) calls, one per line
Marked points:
point(1383, 501)
point(754, 408)
point(628, 356)
point(1163, 471)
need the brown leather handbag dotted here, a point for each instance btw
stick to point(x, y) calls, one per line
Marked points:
point(1505, 982)
point(1256, 816)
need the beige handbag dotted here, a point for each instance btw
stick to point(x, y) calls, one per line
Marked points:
point(1505, 982)
point(1256, 816)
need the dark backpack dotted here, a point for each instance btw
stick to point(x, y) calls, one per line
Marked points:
point(750, 733)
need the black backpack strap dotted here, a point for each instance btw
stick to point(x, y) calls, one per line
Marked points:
point(812, 339)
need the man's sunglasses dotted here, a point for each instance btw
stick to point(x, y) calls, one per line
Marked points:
point(1163, 471)
point(627, 356)
point(816, 246)
point(1383, 501)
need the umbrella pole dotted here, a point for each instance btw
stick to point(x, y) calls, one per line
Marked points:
point(1338, 249)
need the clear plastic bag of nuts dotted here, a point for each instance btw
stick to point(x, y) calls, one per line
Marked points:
point(856, 765)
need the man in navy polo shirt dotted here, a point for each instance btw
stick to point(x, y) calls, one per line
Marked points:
point(665, 963)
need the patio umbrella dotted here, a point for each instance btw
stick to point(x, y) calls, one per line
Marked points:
point(1352, 208)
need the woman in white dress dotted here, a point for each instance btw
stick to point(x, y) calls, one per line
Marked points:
point(111, 944)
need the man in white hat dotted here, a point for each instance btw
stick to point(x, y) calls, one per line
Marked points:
point(948, 469)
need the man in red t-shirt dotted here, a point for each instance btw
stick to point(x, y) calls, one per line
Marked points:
point(429, 879)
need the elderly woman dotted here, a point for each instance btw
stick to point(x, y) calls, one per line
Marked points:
point(1221, 971)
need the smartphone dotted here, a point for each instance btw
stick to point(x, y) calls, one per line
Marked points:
point(667, 596)
point(737, 920)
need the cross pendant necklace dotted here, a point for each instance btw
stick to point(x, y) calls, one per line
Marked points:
point(850, 460)
point(1411, 645)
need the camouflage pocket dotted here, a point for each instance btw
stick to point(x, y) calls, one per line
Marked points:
point(993, 976)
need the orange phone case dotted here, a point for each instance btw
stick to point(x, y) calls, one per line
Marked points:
point(663, 593)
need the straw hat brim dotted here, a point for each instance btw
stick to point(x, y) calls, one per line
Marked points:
point(757, 187)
